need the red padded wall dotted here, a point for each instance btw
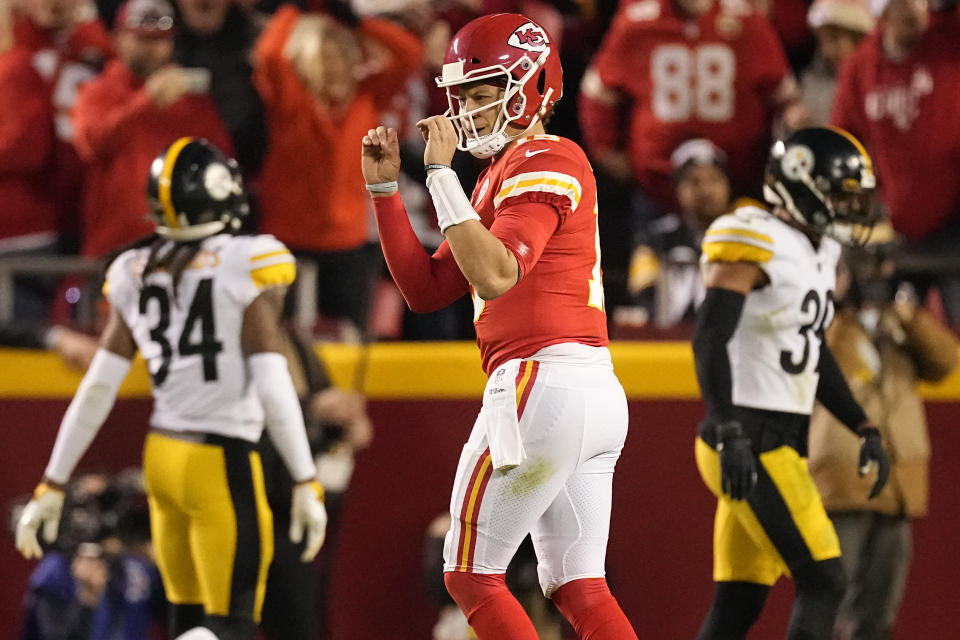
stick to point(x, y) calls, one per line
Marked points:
point(659, 554)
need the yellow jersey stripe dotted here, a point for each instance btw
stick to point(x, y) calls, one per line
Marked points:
point(163, 188)
point(739, 232)
point(527, 371)
point(544, 181)
point(471, 505)
point(280, 274)
point(730, 251)
point(270, 254)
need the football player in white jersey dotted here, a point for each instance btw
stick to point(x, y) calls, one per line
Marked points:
point(761, 362)
point(202, 306)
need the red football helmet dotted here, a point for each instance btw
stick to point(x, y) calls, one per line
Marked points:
point(508, 50)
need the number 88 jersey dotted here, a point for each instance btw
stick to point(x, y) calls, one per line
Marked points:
point(775, 351)
point(191, 339)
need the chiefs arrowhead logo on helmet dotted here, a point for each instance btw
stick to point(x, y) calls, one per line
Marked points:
point(529, 37)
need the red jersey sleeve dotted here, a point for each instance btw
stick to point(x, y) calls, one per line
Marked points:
point(274, 77)
point(845, 112)
point(524, 227)
point(26, 128)
point(106, 114)
point(542, 187)
point(774, 80)
point(404, 54)
point(614, 52)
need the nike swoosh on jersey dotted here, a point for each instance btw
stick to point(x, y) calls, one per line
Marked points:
point(530, 154)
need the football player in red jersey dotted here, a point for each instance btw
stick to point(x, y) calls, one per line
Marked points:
point(711, 69)
point(541, 454)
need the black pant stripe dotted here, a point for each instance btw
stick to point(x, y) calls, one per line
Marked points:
point(777, 521)
point(246, 561)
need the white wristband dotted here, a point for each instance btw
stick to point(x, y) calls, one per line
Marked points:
point(284, 418)
point(383, 187)
point(88, 410)
point(449, 200)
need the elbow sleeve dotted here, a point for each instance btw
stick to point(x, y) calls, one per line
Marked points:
point(281, 407)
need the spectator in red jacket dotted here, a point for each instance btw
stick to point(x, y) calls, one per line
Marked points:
point(28, 219)
point(898, 94)
point(69, 45)
point(321, 96)
point(139, 105)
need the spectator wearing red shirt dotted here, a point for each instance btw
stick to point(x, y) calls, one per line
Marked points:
point(898, 93)
point(134, 110)
point(312, 197)
point(28, 217)
point(69, 46)
point(689, 69)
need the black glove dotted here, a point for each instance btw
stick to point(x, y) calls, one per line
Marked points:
point(738, 465)
point(871, 450)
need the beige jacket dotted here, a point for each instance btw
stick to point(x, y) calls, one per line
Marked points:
point(909, 346)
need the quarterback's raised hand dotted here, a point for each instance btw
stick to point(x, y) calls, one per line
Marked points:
point(43, 510)
point(380, 160)
point(441, 138)
point(871, 452)
point(308, 515)
point(738, 466)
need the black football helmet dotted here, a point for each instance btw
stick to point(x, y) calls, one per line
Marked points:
point(824, 178)
point(195, 191)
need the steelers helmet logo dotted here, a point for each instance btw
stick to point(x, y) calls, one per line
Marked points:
point(218, 181)
point(797, 161)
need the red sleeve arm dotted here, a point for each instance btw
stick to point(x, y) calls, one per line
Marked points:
point(773, 76)
point(404, 59)
point(273, 74)
point(26, 128)
point(845, 111)
point(427, 282)
point(597, 122)
point(525, 226)
point(103, 121)
point(600, 100)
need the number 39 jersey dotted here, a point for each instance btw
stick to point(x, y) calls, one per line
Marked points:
point(191, 339)
point(775, 351)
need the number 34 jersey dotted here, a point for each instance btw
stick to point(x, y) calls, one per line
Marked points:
point(775, 351)
point(191, 340)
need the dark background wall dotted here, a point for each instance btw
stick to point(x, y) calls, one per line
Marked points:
point(659, 561)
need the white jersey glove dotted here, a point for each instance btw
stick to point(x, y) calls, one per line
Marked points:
point(307, 514)
point(43, 510)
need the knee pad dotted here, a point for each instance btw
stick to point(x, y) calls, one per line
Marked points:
point(470, 589)
point(560, 562)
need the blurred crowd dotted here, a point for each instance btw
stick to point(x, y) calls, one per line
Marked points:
point(676, 102)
